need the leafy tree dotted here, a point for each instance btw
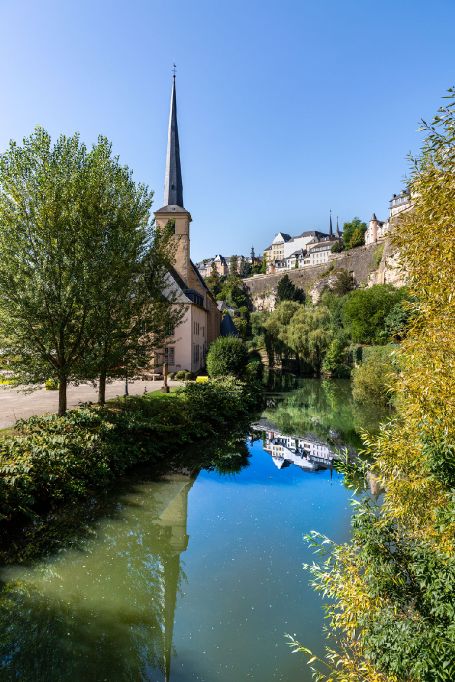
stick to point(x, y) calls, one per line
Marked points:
point(227, 355)
point(214, 281)
point(335, 363)
point(287, 291)
point(338, 247)
point(132, 315)
point(277, 328)
point(398, 320)
point(365, 311)
point(234, 266)
point(372, 378)
point(234, 292)
point(344, 283)
point(245, 268)
point(51, 255)
point(392, 586)
point(354, 233)
point(309, 335)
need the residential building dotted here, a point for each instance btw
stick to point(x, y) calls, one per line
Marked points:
point(201, 322)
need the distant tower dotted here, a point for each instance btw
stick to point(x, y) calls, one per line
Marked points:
point(338, 230)
point(331, 226)
point(173, 209)
point(373, 229)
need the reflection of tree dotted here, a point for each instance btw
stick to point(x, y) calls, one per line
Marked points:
point(104, 609)
point(107, 613)
point(326, 410)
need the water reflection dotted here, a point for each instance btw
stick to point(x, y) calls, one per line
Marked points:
point(107, 612)
point(310, 422)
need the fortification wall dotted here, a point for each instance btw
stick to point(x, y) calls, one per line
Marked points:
point(361, 262)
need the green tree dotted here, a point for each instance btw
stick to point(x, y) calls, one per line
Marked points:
point(227, 355)
point(132, 315)
point(338, 247)
point(234, 266)
point(277, 328)
point(50, 250)
point(344, 282)
point(287, 291)
point(372, 379)
point(309, 335)
point(214, 281)
point(354, 233)
point(365, 311)
point(335, 363)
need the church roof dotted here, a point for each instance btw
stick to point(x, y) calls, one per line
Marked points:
point(173, 185)
point(171, 209)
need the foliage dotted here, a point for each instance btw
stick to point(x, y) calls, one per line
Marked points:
point(398, 320)
point(287, 291)
point(51, 385)
point(75, 258)
point(372, 379)
point(392, 587)
point(51, 459)
point(227, 355)
point(354, 233)
point(336, 361)
point(234, 266)
point(310, 334)
point(377, 255)
point(365, 311)
point(234, 292)
point(338, 247)
point(344, 282)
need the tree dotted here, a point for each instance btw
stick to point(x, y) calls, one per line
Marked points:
point(227, 355)
point(391, 588)
point(372, 379)
point(213, 281)
point(234, 266)
point(338, 247)
point(365, 311)
point(50, 245)
point(132, 315)
point(276, 326)
point(354, 233)
point(344, 282)
point(287, 291)
point(309, 335)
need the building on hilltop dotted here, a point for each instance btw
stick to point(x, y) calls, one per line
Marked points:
point(309, 248)
point(201, 322)
point(378, 229)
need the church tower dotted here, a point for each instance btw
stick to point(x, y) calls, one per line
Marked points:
point(173, 210)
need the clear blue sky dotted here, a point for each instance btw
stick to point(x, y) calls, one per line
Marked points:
point(286, 108)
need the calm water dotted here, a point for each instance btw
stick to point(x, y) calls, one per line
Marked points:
point(189, 578)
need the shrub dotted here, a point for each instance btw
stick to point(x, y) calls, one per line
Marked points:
point(189, 376)
point(372, 379)
point(227, 355)
point(51, 385)
point(180, 375)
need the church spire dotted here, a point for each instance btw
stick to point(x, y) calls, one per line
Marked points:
point(331, 226)
point(338, 229)
point(173, 186)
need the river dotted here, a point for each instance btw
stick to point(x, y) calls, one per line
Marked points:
point(193, 577)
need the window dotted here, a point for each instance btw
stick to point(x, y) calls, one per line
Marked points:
point(169, 355)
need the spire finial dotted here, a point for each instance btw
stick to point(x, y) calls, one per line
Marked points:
point(174, 70)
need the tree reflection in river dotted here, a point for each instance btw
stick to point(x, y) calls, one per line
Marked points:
point(104, 608)
point(327, 410)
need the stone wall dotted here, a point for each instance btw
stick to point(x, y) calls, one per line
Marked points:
point(361, 262)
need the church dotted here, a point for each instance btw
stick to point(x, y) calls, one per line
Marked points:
point(202, 320)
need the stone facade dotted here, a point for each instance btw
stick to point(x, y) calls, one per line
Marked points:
point(378, 230)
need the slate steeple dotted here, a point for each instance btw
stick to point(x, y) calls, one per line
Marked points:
point(338, 229)
point(330, 225)
point(173, 186)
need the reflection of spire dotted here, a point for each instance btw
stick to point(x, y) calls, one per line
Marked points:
point(173, 520)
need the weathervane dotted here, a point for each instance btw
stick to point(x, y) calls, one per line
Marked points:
point(174, 70)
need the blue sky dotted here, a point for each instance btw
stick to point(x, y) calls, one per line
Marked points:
point(286, 108)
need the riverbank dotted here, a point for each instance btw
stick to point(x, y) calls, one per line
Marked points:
point(49, 460)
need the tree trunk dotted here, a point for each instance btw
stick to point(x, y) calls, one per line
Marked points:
point(102, 388)
point(62, 396)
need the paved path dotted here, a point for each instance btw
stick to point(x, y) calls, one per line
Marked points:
point(15, 404)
